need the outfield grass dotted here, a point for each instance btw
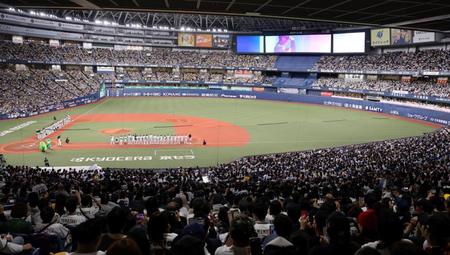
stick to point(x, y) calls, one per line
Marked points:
point(273, 127)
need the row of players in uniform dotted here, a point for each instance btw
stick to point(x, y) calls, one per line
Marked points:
point(151, 139)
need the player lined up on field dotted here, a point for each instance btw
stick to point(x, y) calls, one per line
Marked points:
point(151, 139)
point(43, 133)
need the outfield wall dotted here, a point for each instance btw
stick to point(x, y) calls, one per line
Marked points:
point(434, 116)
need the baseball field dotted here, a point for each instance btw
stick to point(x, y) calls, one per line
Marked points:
point(231, 128)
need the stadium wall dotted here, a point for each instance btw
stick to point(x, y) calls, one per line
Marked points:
point(433, 116)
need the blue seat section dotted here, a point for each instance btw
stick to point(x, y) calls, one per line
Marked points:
point(296, 63)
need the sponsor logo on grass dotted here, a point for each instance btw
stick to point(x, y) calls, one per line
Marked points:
point(11, 130)
point(130, 158)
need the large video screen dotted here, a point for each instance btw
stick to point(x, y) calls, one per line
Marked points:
point(186, 40)
point(282, 44)
point(204, 40)
point(298, 43)
point(315, 43)
point(249, 44)
point(349, 42)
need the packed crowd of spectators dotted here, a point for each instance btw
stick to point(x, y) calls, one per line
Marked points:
point(428, 60)
point(157, 56)
point(418, 87)
point(191, 76)
point(34, 89)
point(389, 197)
point(168, 75)
point(45, 87)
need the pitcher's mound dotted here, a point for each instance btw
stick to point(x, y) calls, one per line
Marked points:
point(116, 131)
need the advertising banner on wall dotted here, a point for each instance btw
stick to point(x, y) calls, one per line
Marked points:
point(17, 39)
point(422, 36)
point(354, 77)
point(380, 37)
point(243, 74)
point(401, 36)
point(204, 40)
point(221, 41)
point(438, 117)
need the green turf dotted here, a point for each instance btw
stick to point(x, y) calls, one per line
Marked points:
point(300, 127)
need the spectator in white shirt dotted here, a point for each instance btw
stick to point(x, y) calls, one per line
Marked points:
point(238, 241)
point(262, 227)
point(87, 235)
point(71, 218)
point(87, 208)
point(50, 225)
point(8, 245)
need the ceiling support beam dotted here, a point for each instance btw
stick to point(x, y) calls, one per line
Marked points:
point(296, 6)
point(362, 9)
point(86, 4)
point(263, 5)
point(424, 20)
point(388, 13)
point(136, 3)
point(114, 3)
point(329, 7)
point(231, 4)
